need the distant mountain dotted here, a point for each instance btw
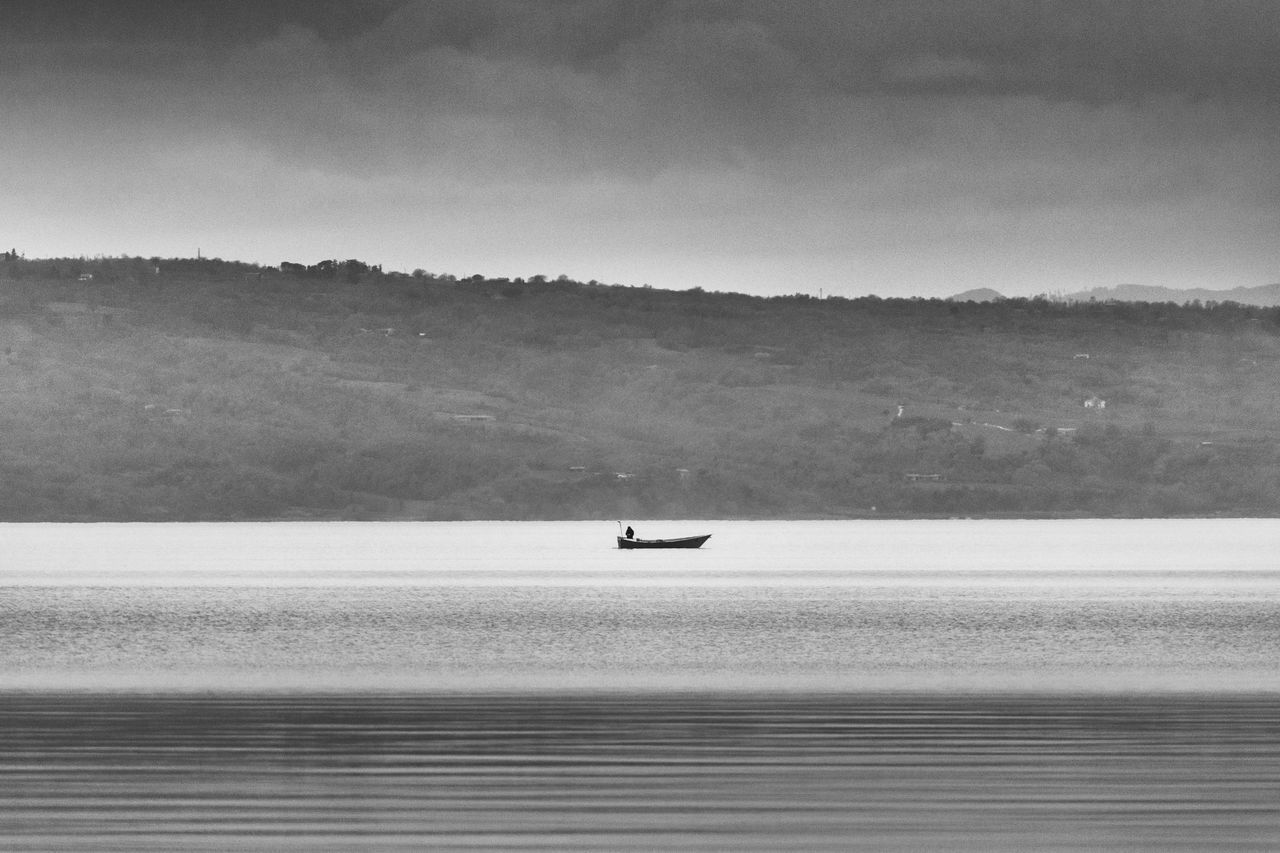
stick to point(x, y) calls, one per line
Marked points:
point(981, 294)
point(1267, 295)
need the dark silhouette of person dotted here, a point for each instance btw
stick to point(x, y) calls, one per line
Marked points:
point(631, 534)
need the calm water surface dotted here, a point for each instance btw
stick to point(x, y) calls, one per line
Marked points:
point(873, 686)
point(639, 772)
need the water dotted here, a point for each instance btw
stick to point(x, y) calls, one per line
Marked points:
point(639, 772)
point(1187, 605)
point(867, 686)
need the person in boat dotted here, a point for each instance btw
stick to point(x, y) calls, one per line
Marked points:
point(631, 534)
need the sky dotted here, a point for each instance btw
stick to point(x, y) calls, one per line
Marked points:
point(888, 147)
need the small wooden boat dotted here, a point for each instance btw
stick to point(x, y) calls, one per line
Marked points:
point(683, 542)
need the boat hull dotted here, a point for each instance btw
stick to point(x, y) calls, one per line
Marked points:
point(684, 542)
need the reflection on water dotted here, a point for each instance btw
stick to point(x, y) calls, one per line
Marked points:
point(879, 633)
point(842, 686)
point(639, 772)
point(816, 606)
point(763, 553)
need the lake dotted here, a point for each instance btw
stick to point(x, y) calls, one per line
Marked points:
point(949, 685)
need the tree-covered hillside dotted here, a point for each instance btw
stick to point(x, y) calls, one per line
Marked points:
point(204, 389)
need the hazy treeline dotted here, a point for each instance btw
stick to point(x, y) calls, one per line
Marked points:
point(207, 389)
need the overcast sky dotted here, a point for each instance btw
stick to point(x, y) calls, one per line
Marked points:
point(899, 147)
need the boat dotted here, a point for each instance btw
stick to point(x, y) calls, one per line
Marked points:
point(682, 542)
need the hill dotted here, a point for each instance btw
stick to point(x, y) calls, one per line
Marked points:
point(980, 294)
point(204, 389)
point(1267, 295)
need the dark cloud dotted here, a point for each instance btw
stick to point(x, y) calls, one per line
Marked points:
point(1090, 50)
point(207, 23)
point(1095, 50)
